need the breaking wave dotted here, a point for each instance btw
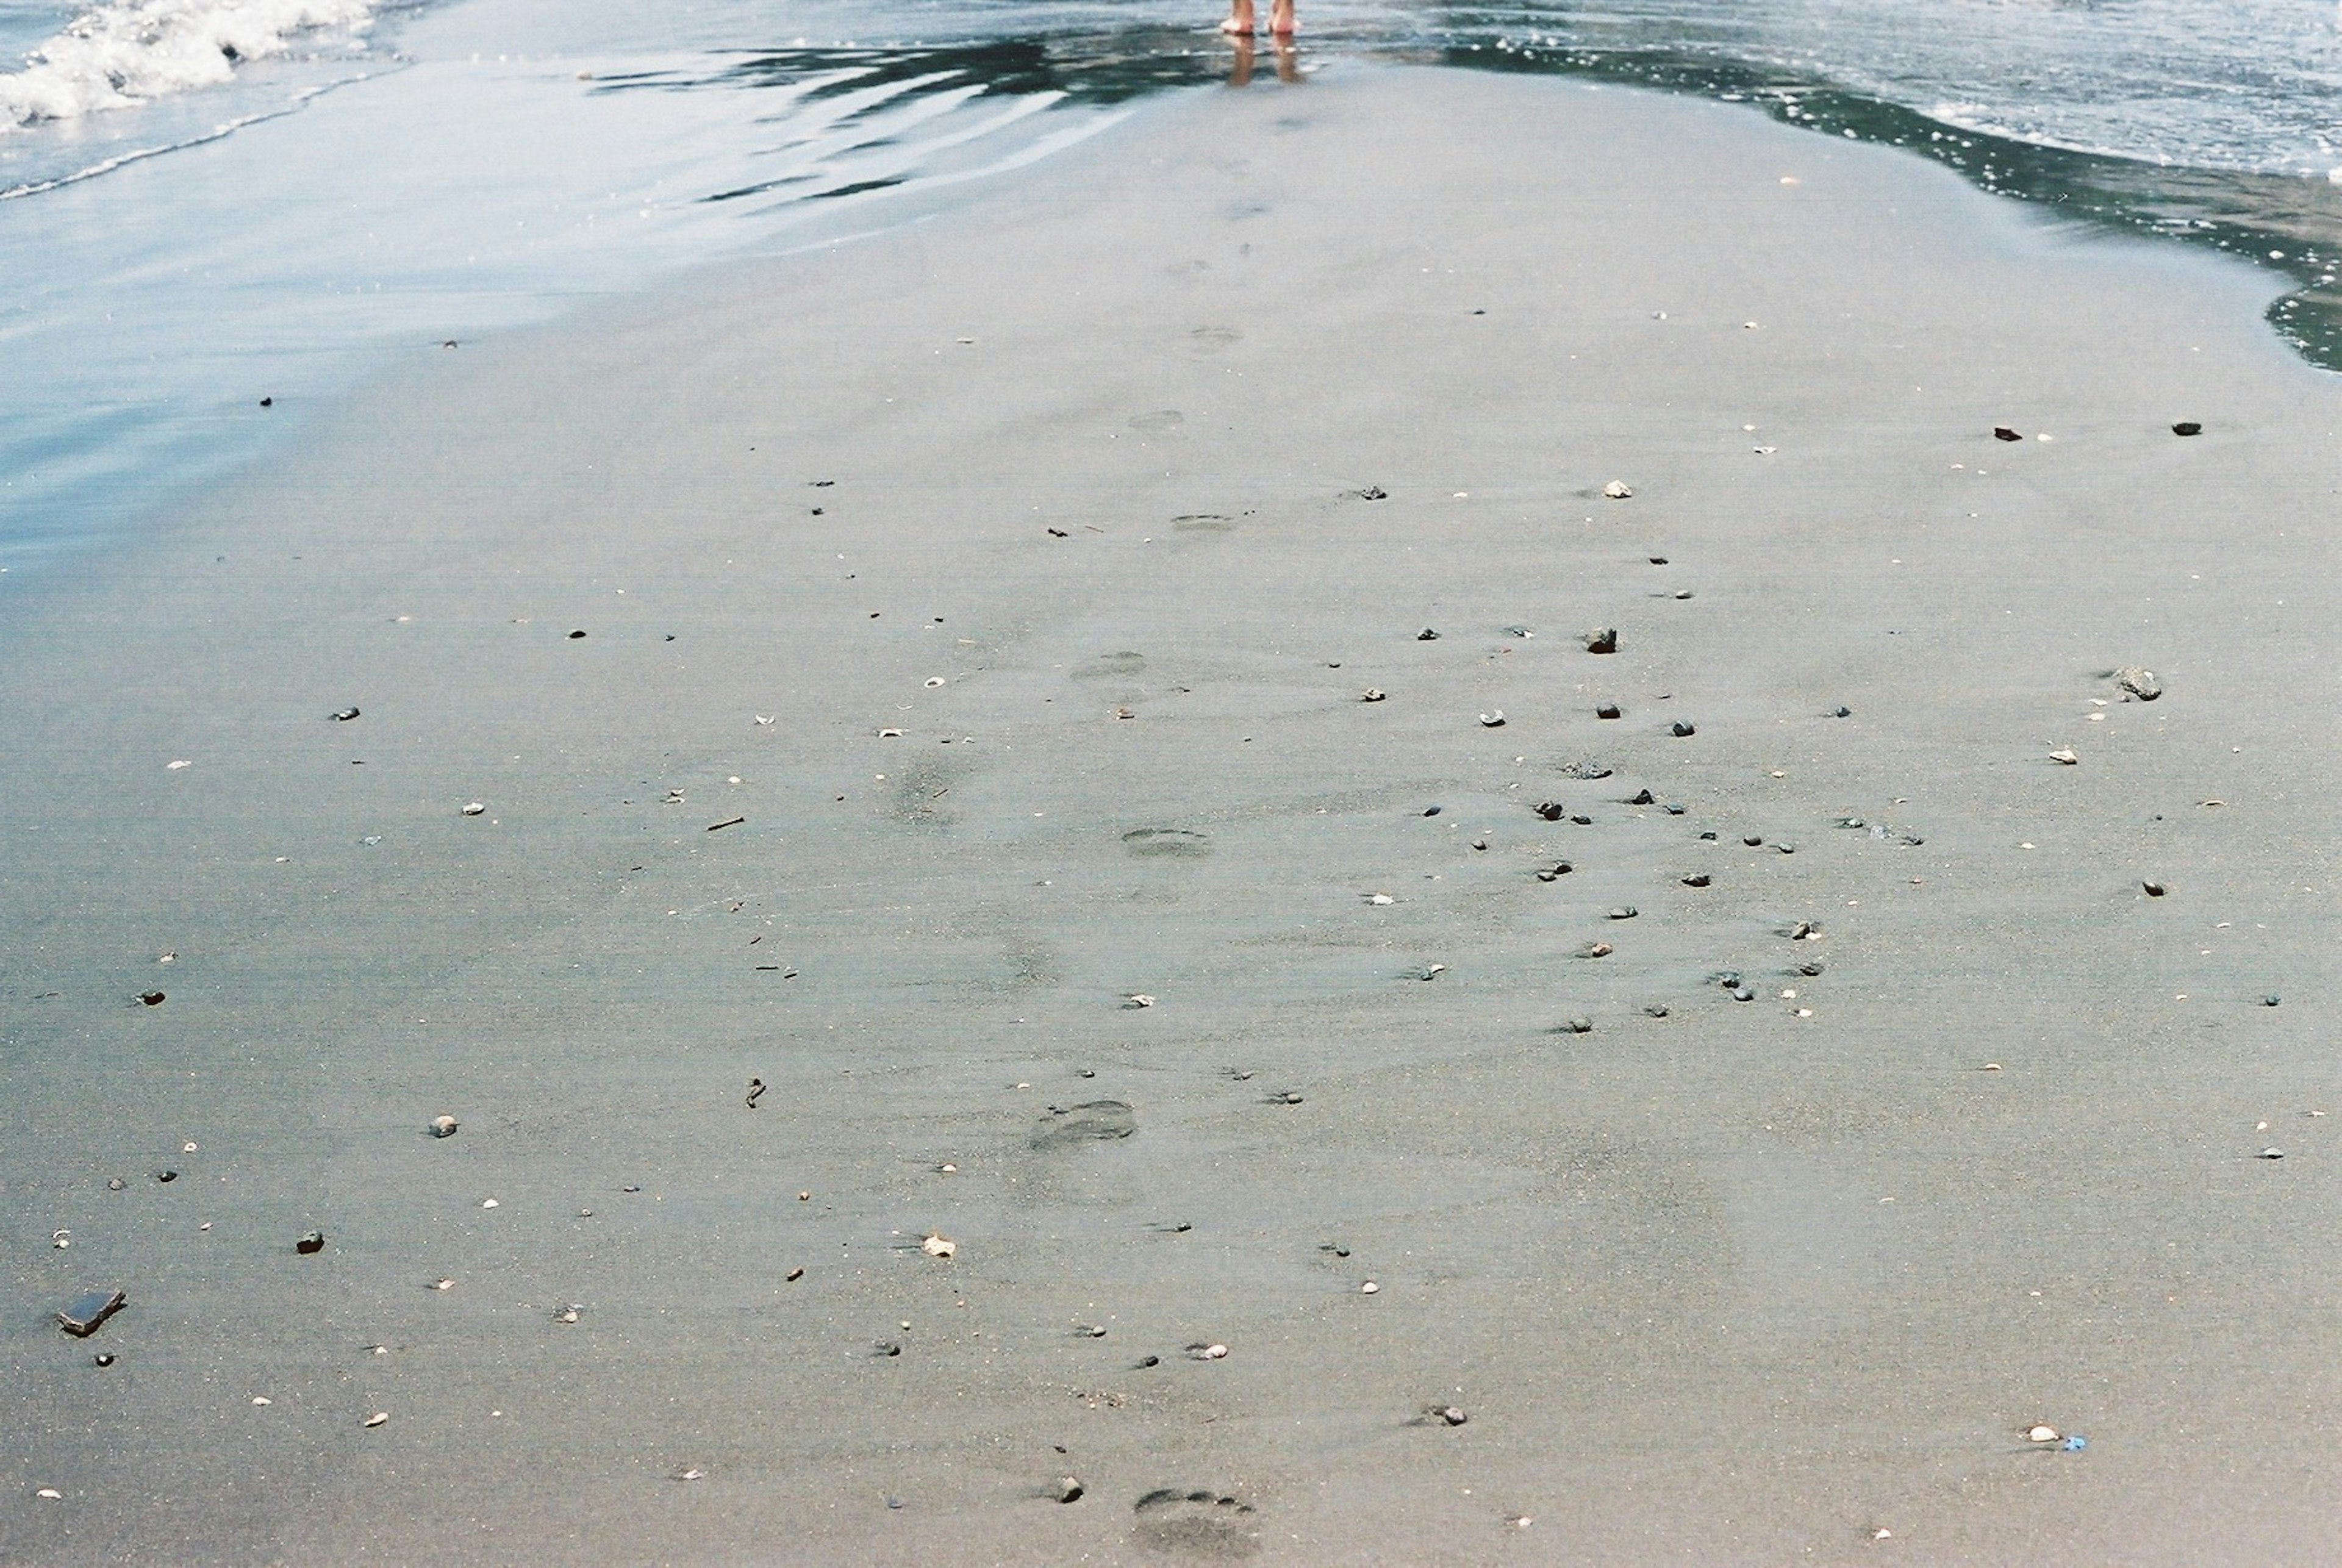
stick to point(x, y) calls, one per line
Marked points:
point(135, 51)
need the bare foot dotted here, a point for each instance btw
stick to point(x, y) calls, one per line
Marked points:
point(1239, 22)
point(1280, 19)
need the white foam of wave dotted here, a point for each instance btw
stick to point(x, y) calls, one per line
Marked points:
point(134, 50)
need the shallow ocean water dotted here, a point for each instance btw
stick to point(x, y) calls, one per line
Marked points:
point(274, 223)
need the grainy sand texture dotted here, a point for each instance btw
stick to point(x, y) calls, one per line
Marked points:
point(1087, 700)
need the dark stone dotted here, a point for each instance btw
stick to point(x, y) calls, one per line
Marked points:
point(343, 716)
point(1708, 836)
point(1551, 810)
point(1602, 640)
point(1641, 797)
point(1682, 729)
point(151, 998)
point(1674, 811)
point(2270, 1000)
point(82, 1316)
point(1426, 636)
point(1559, 868)
point(1583, 820)
point(102, 1358)
point(166, 1175)
point(312, 1242)
point(1607, 711)
point(2003, 433)
point(1656, 1010)
point(2152, 889)
point(1431, 810)
point(1697, 879)
point(1809, 969)
point(1451, 1414)
point(1752, 839)
point(1579, 1026)
point(574, 636)
point(1658, 560)
point(1624, 912)
point(1373, 492)
point(2186, 427)
point(1841, 712)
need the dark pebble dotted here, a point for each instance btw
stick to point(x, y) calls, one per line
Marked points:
point(114, 1184)
point(343, 716)
point(1147, 1361)
point(1658, 560)
point(313, 1241)
point(793, 1276)
point(885, 1347)
point(1643, 797)
point(2270, 1000)
point(576, 637)
point(1426, 636)
point(1681, 729)
point(1602, 640)
point(1727, 978)
point(166, 1175)
point(102, 1358)
point(1809, 969)
point(2003, 433)
point(1373, 492)
point(1742, 994)
point(1697, 879)
point(151, 998)
point(1559, 869)
point(1607, 711)
point(1683, 593)
point(1067, 1490)
point(1551, 810)
point(1674, 811)
point(1786, 848)
point(1452, 1414)
point(1431, 810)
point(1841, 712)
point(1753, 840)
point(2152, 889)
point(1708, 838)
point(1624, 912)
point(267, 403)
point(85, 1313)
point(1583, 820)
point(1656, 1010)
point(1579, 1026)
point(2186, 427)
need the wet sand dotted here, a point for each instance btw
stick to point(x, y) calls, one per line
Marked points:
point(1011, 586)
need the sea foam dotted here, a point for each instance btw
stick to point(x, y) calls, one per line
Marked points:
point(132, 51)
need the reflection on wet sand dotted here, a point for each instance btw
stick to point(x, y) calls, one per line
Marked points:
point(1289, 61)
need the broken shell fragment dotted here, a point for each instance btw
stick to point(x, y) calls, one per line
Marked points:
point(1373, 694)
point(2140, 684)
point(1495, 721)
point(474, 808)
point(378, 1418)
point(938, 1246)
point(444, 1126)
point(1617, 490)
point(2065, 754)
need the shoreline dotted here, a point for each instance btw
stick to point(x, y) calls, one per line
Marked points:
point(1205, 423)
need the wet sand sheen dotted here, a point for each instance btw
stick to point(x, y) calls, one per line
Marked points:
point(1010, 729)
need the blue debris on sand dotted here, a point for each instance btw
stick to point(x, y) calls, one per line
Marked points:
point(2075, 1444)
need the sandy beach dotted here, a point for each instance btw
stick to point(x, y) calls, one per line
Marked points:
point(1087, 701)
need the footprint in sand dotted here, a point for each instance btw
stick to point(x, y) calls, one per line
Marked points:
point(1203, 1524)
point(1203, 522)
point(1097, 1121)
point(1212, 339)
point(1178, 841)
point(1160, 420)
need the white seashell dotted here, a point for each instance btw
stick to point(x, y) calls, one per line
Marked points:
point(174, 767)
point(1378, 898)
point(2040, 1434)
point(1369, 1288)
point(490, 1203)
point(378, 1418)
point(937, 1246)
point(1214, 1353)
point(1137, 999)
point(262, 1399)
point(1616, 490)
point(890, 734)
point(61, 1239)
point(50, 1493)
point(933, 681)
point(2065, 754)
point(474, 808)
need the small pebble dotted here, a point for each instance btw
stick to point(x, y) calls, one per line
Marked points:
point(312, 1242)
point(1697, 879)
point(2270, 1000)
point(2003, 433)
point(1753, 840)
point(1616, 490)
point(2272, 1154)
point(1742, 994)
point(2152, 889)
point(1841, 712)
point(1495, 721)
point(444, 1126)
point(1624, 912)
point(1449, 1415)
point(1656, 1010)
point(474, 808)
point(1373, 694)
point(794, 1275)
point(378, 1418)
point(1602, 640)
point(2188, 427)
point(1598, 950)
point(2064, 755)
point(1680, 729)
point(1426, 636)
point(1068, 1490)
point(1209, 1351)
point(1607, 711)
point(1580, 1026)
point(937, 1246)
point(1369, 1288)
